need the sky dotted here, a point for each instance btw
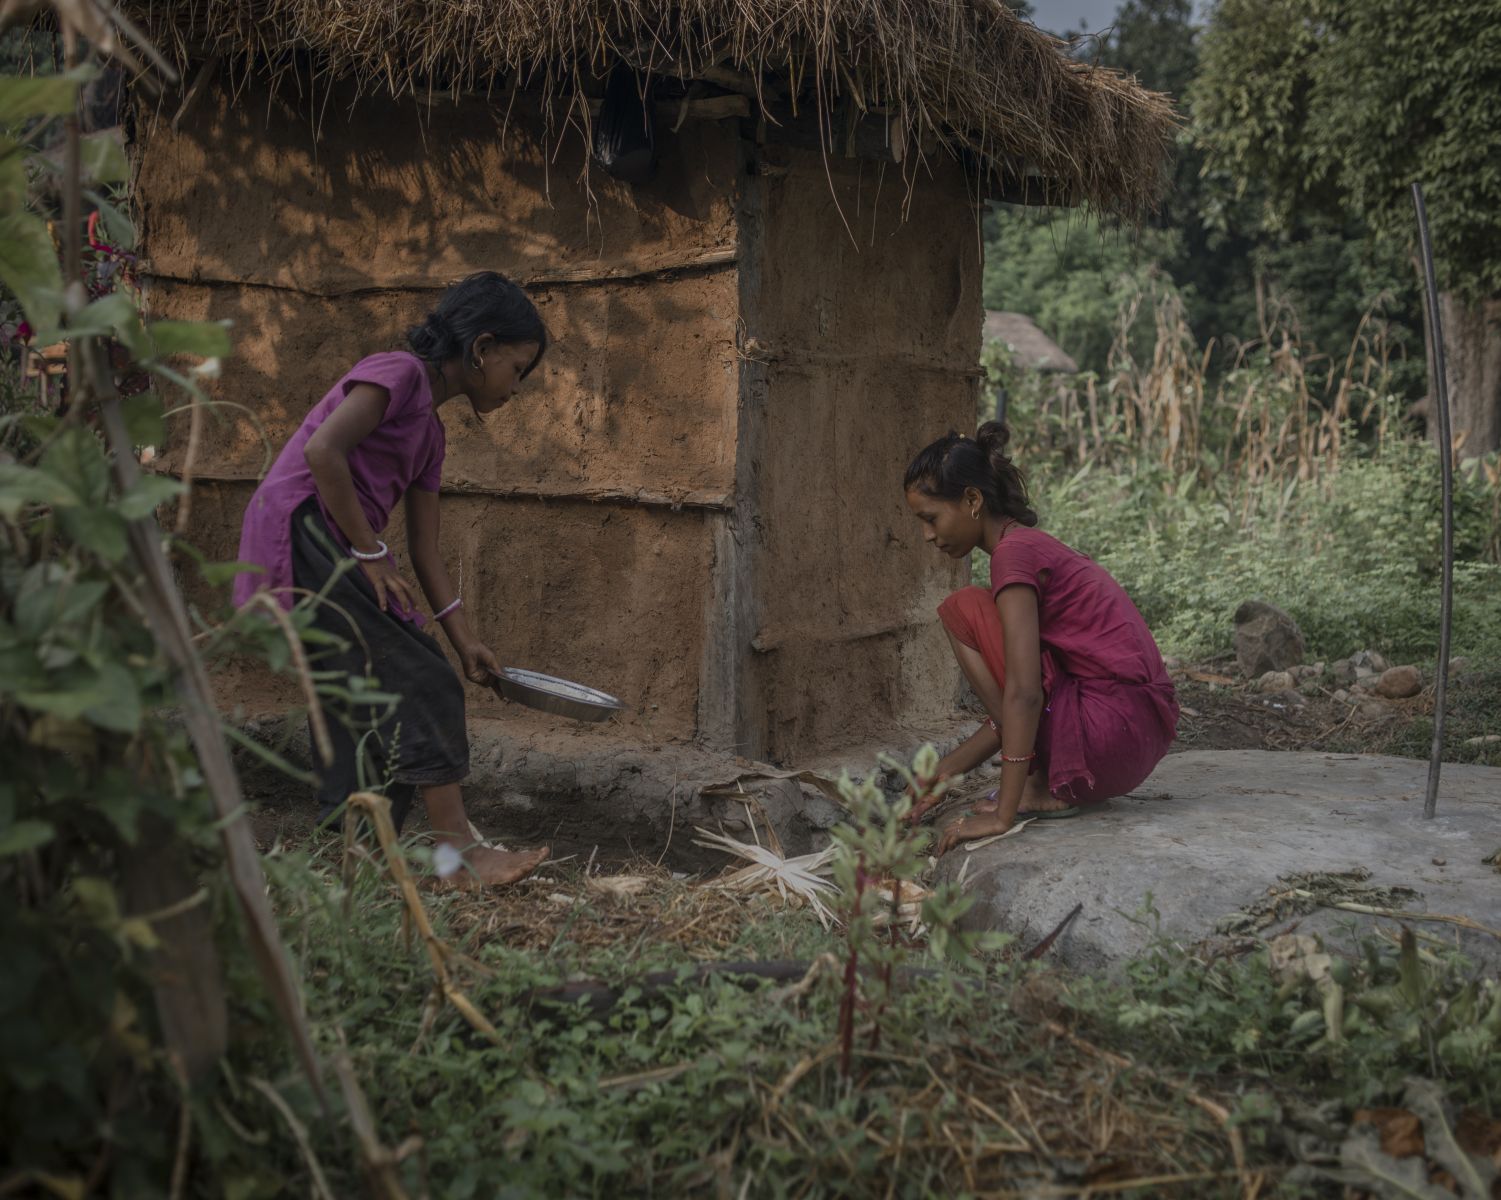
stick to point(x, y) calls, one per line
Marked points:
point(1063, 16)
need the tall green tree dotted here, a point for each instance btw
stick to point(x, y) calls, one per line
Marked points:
point(1335, 107)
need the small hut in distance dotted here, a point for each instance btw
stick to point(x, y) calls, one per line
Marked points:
point(1030, 349)
point(697, 503)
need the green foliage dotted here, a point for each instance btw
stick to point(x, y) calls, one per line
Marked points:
point(1362, 1015)
point(101, 785)
point(1208, 242)
point(1354, 559)
point(1070, 276)
point(677, 1091)
point(1339, 105)
point(880, 860)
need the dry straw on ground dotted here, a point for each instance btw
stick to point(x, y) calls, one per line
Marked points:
point(1077, 1118)
point(965, 74)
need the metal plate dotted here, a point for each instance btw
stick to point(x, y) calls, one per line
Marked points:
point(547, 693)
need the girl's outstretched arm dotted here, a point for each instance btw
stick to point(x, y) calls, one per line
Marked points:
point(327, 456)
point(423, 527)
point(1022, 698)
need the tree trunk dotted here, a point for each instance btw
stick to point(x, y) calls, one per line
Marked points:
point(1472, 347)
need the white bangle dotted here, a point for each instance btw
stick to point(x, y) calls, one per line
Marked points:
point(455, 603)
point(376, 556)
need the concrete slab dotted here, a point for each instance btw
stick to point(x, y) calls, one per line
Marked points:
point(1211, 831)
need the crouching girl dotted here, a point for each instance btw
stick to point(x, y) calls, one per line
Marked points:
point(1080, 705)
point(373, 440)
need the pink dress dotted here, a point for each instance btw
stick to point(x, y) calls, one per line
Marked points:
point(1110, 713)
point(404, 451)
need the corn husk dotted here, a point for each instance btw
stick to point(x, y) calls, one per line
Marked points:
point(797, 881)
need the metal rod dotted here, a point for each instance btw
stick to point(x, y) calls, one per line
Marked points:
point(1446, 459)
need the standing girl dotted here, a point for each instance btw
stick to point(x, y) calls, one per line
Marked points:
point(374, 439)
point(1080, 705)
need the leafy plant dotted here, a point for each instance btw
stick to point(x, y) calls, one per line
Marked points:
point(879, 862)
point(130, 892)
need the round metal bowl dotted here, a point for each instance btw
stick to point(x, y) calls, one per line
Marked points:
point(549, 694)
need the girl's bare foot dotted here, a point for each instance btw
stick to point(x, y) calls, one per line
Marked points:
point(485, 867)
point(1035, 799)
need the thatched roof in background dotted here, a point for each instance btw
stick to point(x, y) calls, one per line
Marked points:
point(965, 74)
point(1031, 349)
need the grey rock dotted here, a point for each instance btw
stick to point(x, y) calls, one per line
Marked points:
point(1211, 831)
point(1368, 662)
point(1266, 639)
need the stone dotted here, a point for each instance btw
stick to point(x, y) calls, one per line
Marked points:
point(1398, 683)
point(1212, 830)
point(1266, 639)
point(1275, 681)
point(1343, 672)
point(1342, 696)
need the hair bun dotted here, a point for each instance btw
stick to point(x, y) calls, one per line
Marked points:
point(993, 436)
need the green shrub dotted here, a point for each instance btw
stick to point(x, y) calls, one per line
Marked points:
point(1354, 558)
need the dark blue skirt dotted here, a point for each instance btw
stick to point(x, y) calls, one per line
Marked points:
point(422, 742)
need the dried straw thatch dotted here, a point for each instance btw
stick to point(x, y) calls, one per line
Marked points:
point(968, 75)
point(1031, 349)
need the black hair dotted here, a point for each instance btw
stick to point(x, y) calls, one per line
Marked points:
point(485, 302)
point(955, 462)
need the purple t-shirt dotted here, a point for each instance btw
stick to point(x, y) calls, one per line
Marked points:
point(404, 451)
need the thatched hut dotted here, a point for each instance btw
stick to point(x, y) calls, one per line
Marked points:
point(1029, 347)
point(697, 505)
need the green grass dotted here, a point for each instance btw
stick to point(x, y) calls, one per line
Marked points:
point(747, 1093)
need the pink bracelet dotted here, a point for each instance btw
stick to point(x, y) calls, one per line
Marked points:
point(455, 603)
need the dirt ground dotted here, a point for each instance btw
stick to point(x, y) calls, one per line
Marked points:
point(1221, 711)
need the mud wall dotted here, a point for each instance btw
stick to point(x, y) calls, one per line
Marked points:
point(862, 338)
point(585, 513)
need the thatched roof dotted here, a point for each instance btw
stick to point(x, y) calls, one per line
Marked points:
point(965, 74)
point(1031, 349)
